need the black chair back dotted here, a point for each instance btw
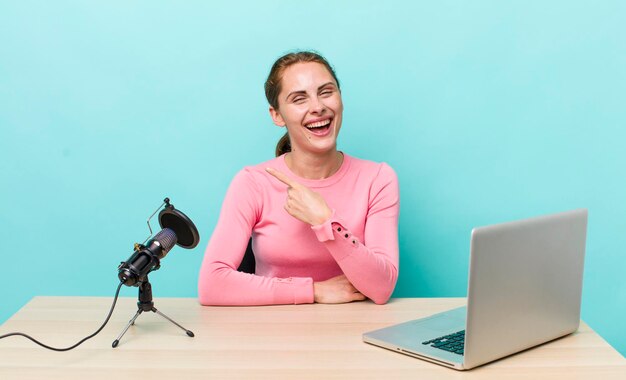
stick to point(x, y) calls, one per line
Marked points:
point(248, 264)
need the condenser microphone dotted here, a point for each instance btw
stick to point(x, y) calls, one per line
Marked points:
point(147, 258)
point(177, 229)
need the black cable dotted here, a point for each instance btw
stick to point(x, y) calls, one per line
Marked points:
point(79, 343)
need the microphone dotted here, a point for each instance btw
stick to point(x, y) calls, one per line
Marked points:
point(146, 258)
point(178, 229)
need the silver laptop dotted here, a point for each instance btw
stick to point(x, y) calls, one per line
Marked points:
point(524, 289)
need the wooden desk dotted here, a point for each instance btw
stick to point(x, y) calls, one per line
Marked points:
point(293, 342)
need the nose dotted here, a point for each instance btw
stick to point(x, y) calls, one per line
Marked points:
point(317, 106)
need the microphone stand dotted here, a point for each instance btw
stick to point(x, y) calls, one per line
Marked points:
point(145, 303)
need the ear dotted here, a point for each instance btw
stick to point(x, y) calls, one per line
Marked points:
point(276, 117)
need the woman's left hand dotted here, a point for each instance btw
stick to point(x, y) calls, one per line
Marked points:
point(303, 203)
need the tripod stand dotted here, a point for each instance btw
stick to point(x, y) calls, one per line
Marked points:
point(145, 303)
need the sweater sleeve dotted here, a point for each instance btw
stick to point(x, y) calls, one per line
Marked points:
point(370, 265)
point(219, 281)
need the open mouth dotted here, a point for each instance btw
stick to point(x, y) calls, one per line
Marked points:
point(319, 128)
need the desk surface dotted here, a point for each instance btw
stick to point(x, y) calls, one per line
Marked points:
point(270, 342)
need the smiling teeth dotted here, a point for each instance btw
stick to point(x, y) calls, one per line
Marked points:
point(318, 124)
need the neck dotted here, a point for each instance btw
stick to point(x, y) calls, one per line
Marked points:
point(314, 166)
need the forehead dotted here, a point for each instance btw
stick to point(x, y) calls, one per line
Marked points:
point(304, 75)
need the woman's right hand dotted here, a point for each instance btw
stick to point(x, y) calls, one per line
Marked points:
point(336, 290)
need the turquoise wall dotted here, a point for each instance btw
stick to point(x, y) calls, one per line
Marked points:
point(488, 111)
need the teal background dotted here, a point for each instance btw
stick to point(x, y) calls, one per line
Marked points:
point(488, 111)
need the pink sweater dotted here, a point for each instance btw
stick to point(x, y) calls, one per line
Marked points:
point(360, 240)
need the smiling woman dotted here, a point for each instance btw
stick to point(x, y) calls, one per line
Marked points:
point(324, 225)
point(284, 75)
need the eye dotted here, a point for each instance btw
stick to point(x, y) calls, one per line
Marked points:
point(298, 99)
point(326, 92)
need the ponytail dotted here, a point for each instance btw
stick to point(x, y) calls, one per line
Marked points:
point(283, 146)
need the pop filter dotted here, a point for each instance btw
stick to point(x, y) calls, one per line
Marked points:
point(182, 226)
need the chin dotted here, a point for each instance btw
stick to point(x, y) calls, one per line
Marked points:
point(323, 149)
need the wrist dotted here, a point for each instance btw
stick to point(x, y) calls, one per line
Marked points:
point(316, 292)
point(323, 218)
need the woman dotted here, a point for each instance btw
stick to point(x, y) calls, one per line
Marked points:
point(323, 224)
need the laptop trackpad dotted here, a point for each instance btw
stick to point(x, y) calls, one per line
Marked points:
point(443, 322)
point(413, 333)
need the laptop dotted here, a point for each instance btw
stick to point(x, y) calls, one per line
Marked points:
point(524, 289)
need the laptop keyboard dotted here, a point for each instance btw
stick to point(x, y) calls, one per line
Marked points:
point(452, 342)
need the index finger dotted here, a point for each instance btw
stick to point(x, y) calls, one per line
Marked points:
point(282, 177)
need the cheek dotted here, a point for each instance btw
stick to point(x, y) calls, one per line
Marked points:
point(294, 115)
point(337, 105)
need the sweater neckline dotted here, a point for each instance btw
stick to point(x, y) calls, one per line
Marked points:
point(317, 183)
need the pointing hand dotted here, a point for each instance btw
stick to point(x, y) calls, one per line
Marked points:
point(303, 203)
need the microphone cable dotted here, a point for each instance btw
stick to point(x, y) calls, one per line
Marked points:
point(117, 292)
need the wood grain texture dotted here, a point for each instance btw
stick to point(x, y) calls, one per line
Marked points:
point(269, 342)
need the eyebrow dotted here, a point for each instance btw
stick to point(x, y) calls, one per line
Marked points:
point(304, 92)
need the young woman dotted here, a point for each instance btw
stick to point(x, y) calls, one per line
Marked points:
point(324, 225)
